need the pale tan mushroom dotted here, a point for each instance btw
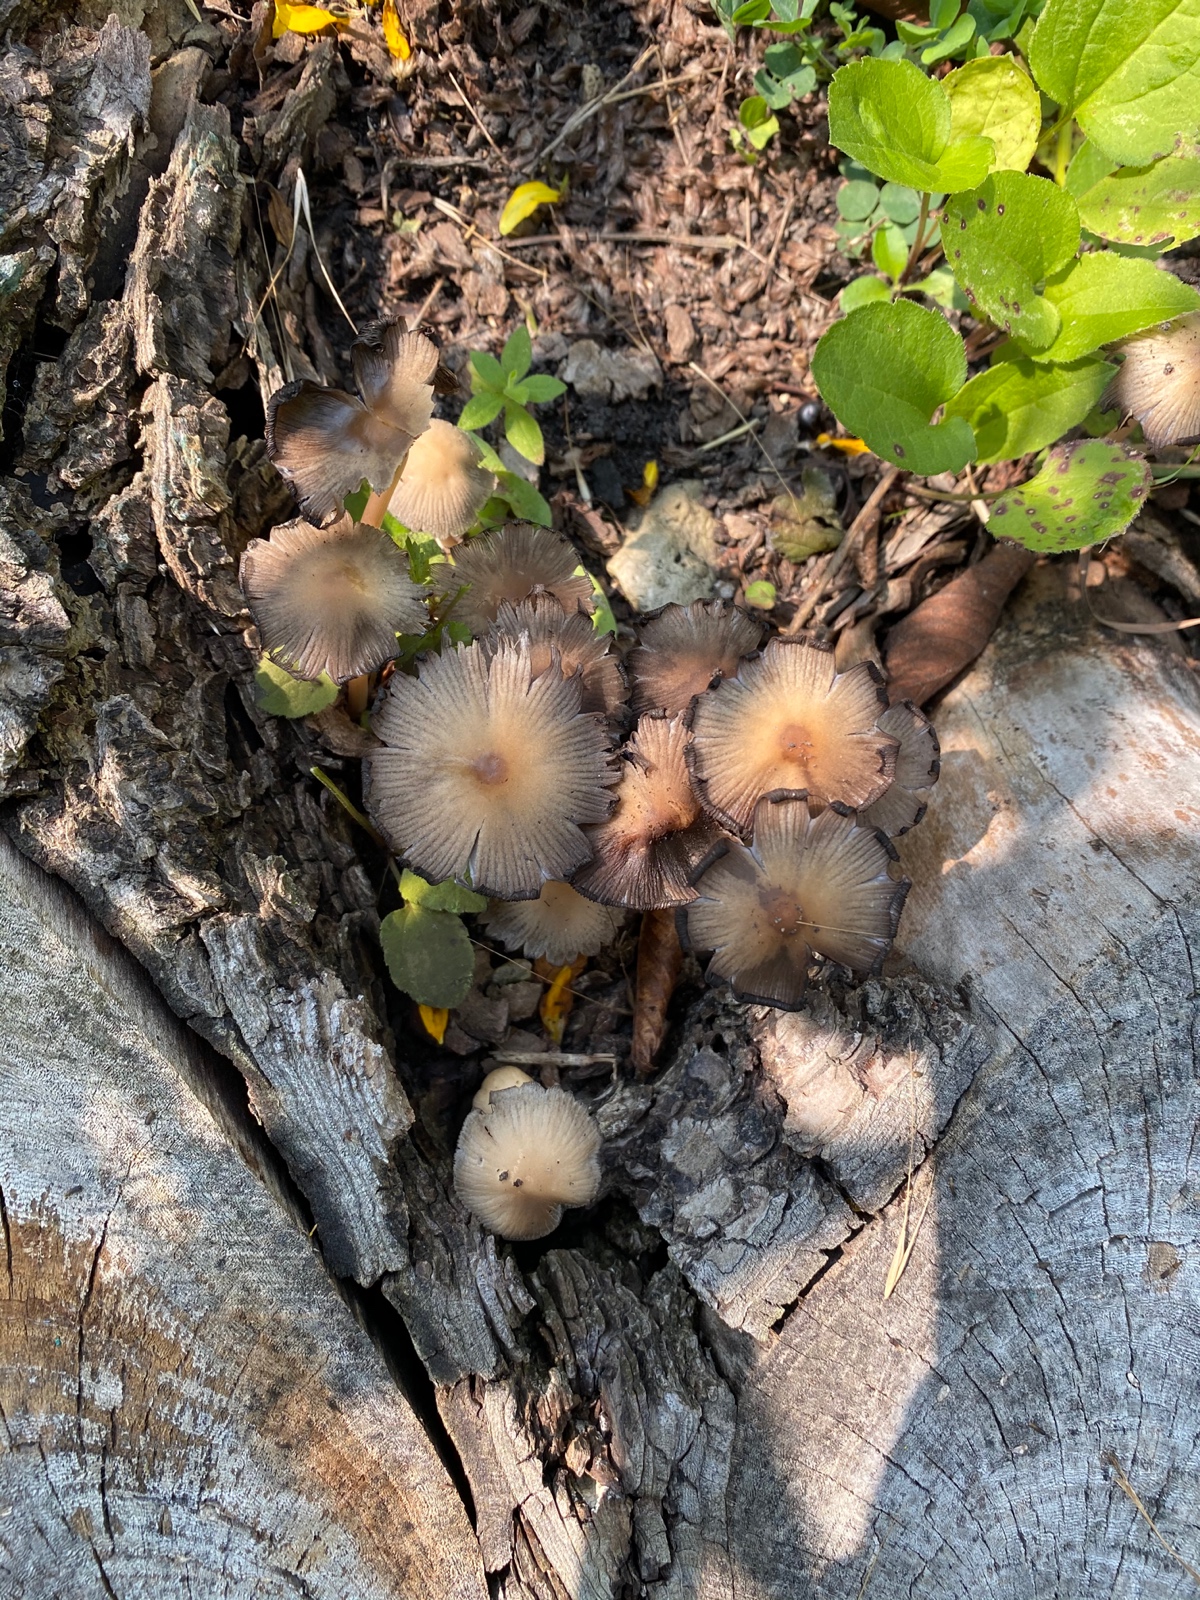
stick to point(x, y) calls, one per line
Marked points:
point(1159, 381)
point(788, 723)
point(918, 764)
point(499, 1078)
point(559, 925)
point(684, 648)
point(513, 563)
point(330, 599)
point(443, 486)
point(488, 773)
point(806, 886)
point(571, 641)
point(529, 1154)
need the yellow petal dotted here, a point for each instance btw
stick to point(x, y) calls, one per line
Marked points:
point(849, 447)
point(434, 1019)
point(559, 998)
point(394, 38)
point(300, 19)
point(524, 201)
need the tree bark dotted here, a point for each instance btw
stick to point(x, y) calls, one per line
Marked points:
point(699, 1390)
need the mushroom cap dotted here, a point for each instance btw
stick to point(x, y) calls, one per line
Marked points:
point(488, 772)
point(789, 723)
point(443, 486)
point(806, 886)
point(513, 563)
point(918, 763)
point(330, 599)
point(499, 1078)
point(1159, 381)
point(395, 372)
point(682, 650)
point(645, 853)
point(558, 926)
point(325, 442)
point(532, 1152)
point(572, 641)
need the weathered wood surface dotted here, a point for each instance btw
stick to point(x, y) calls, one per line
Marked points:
point(186, 1404)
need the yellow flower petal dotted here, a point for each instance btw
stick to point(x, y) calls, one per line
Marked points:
point(434, 1020)
point(300, 19)
point(524, 201)
point(849, 447)
point(393, 35)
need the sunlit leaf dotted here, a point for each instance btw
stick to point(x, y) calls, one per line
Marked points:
point(434, 1019)
point(1019, 406)
point(481, 409)
point(1158, 204)
point(524, 201)
point(524, 434)
point(1085, 493)
point(1104, 296)
point(761, 594)
point(446, 896)
point(992, 96)
point(897, 122)
point(280, 694)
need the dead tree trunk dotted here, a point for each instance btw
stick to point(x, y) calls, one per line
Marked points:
point(704, 1392)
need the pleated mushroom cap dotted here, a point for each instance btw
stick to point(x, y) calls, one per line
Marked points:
point(488, 773)
point(330, 599)
point(513, 563)
point(643, 856)
point(325, 442)
point(443, 486)
point(572, 641)
point(520, 1162)
point(788, 723)
point(558, 926)
point(918, 764)
point(683, 649)
point(1159, 382)
point(806, 886)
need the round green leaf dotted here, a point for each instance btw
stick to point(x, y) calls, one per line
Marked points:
point(1159, 204)
point(899, 203)
point(428, 955)
point(1018, 406)
point(896, 121)
point(761, 594)
point(1002, 241)
point(889, 250)
point(1085, 493)
point(280, 694)
point(1104, 296)
point(884, 370)
point(994, 97)
point(862, 291)
point(856, 200)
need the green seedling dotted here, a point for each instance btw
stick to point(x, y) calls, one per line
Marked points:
point(756, 126)
point(425, 944)
point(508, 386)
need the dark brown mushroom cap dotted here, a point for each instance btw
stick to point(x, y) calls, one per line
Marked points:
point(558, 926)
point(527, 1155)
point(918, 764)
point(806, 886)
point(682, 650)
point(396, 372)
point(330, 599)
point(488, 773)
point(1159, 382)
point(444, 485)
point(513, 563)
point(572, 641)
point(789, 723)
point(645, 853)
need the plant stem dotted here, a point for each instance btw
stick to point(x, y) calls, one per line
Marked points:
point(358, 692)
point(378, 502)
point(1062, 153)
point(347, 805)
point(918, 243)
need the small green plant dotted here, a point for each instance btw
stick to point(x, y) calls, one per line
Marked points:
point(1060, 267)
point(425, 943)
point(508, 386)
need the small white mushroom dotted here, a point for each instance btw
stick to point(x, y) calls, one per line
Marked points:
point(559, 925)
point(444, 486)
point(526, 1156)
point(1159, 382)
point(500, 1078)
point(513, 563)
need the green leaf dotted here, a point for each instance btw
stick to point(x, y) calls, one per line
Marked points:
point(943, 12)
point(422, 553)
point(486, 373)
point(761, 594)
point(523, 433)
point(759, 122)
point(1128, 70)
point(538, 388)
point(943, 289)
point(481, 409)
point(1018, 406)
point(1002, 241)
point(356, 503)
point(889, 250)
point(862, 291)
point(1088, 165)
point(1154, 205)
point(897, 122)
point(951, 43)
point(1085, 493)
point(517, 353)
point(857, 200)
point(992, 96)
point(899, 203)
point(1104, 296)
point(883, 371)
point(603, 620)
point(428, 955)
point(777, 95)
point(523, 498)
point(444, 896)
point(280, 694)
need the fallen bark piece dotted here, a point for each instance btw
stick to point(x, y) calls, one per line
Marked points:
point(929, 647)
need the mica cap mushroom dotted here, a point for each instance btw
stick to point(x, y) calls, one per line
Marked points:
point(325, 442)
point(1159, 382)
point(806, 886)
point(645, 853)
point(789, 723)
point(330, 599)
point(558, 926)
point(571, 641)
point(684, 648)
point(513, 563)
point(918, 763)
point(444, 485)
point(488, 773)
point(527, 1155)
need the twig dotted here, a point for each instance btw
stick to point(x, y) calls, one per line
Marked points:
point(587, 112)
point(440, 161)
point(471, 230)
point(727, 438)
point(865, 519)
point(1085, 562)
point(501, 157)
point(779, 233)
point(551, 1058)
point(429, 299)
point(1131, 1493)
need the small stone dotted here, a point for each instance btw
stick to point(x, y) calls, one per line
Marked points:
point(482, 1018)
point(682, 342)
point(523, 1000)
point(670, 555)
point(612, 375)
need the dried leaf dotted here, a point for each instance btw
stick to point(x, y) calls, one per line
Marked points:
point(660, 958)
point(524, 201)
point(559, 998)
point(434, 1019)
point(394, 37)
point(301, 19)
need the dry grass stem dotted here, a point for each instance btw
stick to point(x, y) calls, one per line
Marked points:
point(1131, 1493)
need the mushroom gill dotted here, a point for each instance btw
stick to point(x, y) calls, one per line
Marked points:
point(524, 1158)
point(806, 886)
point(558, 926)
point(684, 648)
point(488, 774)
point(443, 486)
point(571, 640)
point(330, 599)
point(513, 563)
point(645, 852)
point(788, 723)
point(1159, 382)
point(918, 764)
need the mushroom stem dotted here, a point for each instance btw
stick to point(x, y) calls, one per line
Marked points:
point(358, 692)
point(379, 500)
